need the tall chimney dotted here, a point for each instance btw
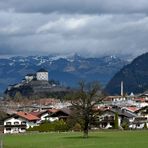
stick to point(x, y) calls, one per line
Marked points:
point(121, 88)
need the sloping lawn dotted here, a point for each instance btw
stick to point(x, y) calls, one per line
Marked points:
point(113, 139)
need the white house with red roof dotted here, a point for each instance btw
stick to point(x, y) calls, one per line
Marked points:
point(52, 114)
point(19, 122)
point(45, 115)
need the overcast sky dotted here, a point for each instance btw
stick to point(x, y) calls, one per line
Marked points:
point(86, 27)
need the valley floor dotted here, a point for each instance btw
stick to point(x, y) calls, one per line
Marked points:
point(102, 139)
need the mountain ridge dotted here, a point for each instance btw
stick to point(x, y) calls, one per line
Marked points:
point(134, 75)
point(68, 70)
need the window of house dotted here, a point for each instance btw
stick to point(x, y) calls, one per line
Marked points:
point(8, 123)
point(23, 129)
point(8, 129)
point(16, 123)
point(15, 129)
point(23, 122)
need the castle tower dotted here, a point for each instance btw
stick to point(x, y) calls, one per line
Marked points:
point(42, 75)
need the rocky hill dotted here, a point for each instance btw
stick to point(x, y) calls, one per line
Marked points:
point(68, 70)
point(134, 76)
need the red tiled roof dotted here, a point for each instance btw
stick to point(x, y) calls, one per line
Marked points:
point(37, 114)
point(52, 111)
point(27, 116)
point(133, 109)
point(140, 99)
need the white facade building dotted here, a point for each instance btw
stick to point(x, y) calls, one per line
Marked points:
point(14, 125)
point(19, 122)
point(42, 75)
point(29, 77)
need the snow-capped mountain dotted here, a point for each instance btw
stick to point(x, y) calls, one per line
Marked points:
point(68, 70)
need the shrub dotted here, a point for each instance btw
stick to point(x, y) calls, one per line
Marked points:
point(77, 127)
point(59, 125)
point(125, 126)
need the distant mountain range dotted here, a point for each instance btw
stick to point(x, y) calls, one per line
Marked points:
point(133, 75)
point(68, 70)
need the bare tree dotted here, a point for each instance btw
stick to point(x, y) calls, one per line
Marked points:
point(83, 103)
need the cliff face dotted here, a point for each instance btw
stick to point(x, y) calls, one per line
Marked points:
point(134, 76)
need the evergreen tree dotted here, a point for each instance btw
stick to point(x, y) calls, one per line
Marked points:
point(145, 125)
point(116, 123)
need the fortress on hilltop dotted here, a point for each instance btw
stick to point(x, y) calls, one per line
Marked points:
point(36, 84)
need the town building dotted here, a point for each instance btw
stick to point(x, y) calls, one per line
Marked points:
point(42, 75)
point(19, 122)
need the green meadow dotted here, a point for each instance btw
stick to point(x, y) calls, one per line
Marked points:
point(104, 139)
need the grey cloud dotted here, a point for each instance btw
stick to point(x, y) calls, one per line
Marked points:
point(92, 35)
point(76, 6)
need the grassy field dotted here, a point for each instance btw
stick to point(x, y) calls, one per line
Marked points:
point(113, 139)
